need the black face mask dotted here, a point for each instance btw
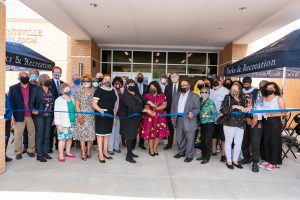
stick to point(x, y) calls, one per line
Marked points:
point(200, 86)
point(184, 90)
point(100, 79)
point(140, 80)
point(227, 85)
point(269, 92)
point(216, 84)
point(131, 88)
point(24, 80)
point(47, 83)
point(153, 91)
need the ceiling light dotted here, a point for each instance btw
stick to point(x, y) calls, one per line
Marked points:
point(220, 28)
point(93, 5)
point(130, 59)
point(190, 54)
point(183, 61)
point(126, 53)
point(242, 8)
point(157, 54)
point(107, 26)
point(156, 60)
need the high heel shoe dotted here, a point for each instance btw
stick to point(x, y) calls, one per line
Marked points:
point(156, 153)
point(83, 158)
point(109, 158)
point(101, 161)
point(151, 154)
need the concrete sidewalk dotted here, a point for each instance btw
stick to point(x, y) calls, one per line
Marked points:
point(151, 177)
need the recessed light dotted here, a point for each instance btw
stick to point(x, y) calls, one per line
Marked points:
point(157, 54)
point(220, 28)
point(190, 54)
point(107, 26)
point(126, 53)
point(156, 60)
point(130, 59)
point(242, 8)
point(93, 5)
point(183, 61)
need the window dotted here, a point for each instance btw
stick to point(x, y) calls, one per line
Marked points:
point(176, 58)
point(197, 58)
point(212, 59)
point(106, 56)
point(180, 69)
point(159, 57)
point(121, 67)
point(196, 69)
point(142, 68)
point(122, 56)
point(142, 57)
point(106, 68)
point(159, 70)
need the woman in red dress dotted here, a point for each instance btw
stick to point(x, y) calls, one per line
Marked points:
point(154, 128)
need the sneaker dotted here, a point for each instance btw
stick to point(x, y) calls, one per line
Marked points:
point(271, 167)
point(264, 165)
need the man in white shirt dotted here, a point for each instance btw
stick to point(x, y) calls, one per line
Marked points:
point(163, 82)
point(217, 95)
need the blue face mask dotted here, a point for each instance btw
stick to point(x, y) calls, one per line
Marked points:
point(68, 93)
point(33, 77)
point(77, 81)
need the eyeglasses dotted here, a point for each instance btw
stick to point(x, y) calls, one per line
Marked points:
point(203, 92)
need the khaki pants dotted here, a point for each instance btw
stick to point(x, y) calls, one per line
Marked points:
point(19, 130)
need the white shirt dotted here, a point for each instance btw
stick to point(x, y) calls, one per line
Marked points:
point(176, 85)
point(162, 86)
point(182, 102)
point(217, 96)
point(141, 88)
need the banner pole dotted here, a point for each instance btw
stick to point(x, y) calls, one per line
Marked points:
point(283, 79)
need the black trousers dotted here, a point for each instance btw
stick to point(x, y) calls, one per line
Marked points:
point(251, 142)
point(272, 140)
point(207, 131)
point(7, 132)
point(171, 129)
point(51, 138)
point(42, 132)
point(130, 146)
point(25, 138)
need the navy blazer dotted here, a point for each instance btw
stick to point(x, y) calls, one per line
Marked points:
point(54, 88)
point(145, 89)
point(17, 101)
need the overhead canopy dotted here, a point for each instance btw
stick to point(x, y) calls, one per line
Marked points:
point(269, 61)
point(20, 56)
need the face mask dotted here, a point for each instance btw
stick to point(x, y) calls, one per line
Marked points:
point(184, 90)
point(227, 85)
point(67, 93)
point(163, 81)
point(95, 84)
point(56, 75)
point(107, 84)
point(76, 81)
point(233, 93)
point(174, 79)
point(269, 92)
point(100, 79)
point(216, 84)
point(131, 88)
point(86, 84)
point(140, 80)
point(200, 86)
point(117, 86)
point(24, 80)
point(153, 91)
point(204, 95)
point(247, 88)
point(33, 77)
point(47, 83)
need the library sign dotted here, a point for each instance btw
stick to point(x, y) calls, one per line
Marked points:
point(29, 36)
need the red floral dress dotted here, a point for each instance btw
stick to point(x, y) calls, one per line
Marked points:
point(153, 127)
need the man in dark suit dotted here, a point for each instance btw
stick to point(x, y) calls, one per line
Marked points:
point(55, 85)
point(20, 95)
point(142, 89)
point(170, 90)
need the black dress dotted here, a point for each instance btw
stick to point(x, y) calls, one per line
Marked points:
point(107, 99)
point(131, 104)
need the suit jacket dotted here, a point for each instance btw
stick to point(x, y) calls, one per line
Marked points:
point(169, 95)
point(17, 101)
point(192, 105)
point(145, 89)
point(54, 88)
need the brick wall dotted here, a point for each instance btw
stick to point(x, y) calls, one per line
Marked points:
point(2, 85)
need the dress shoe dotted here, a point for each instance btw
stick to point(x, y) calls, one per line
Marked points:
point(47, 156)
point(156, 153)
point(214, 154)
point(188, 159)
point(255, 167)
point(204, 161)
point(111, 153)
point(50, 151)
point(142, 147)
point(238, 165)
point(31, 154)
point(61, 160)
point(244, 162)
point(101, 161)
point(70, 155)
point(167, 147)
point(130, 159)
point(24, 151)
point(134, 155)
point(19, 156)
point(223, 159)
point(200, 158)
point(151, 154)
point(41, 158)
point(117, 150)
point(108, 157)
point(178, 156)
point(7, 159)
point(229, 166)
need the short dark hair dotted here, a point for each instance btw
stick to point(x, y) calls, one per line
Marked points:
point(173, 73)
point(156, 85)
point(129, 81)
point(247, 79)
point(185, 80)
point(277, 92)
point(56, 67)
point(117, 78)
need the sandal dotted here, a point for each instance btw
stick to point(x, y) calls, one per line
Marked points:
point(83, 158)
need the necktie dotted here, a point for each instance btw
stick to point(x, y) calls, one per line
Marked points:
point(57, 85)
point(174, 89)
point(140, 89)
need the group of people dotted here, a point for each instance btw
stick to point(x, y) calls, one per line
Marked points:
point(109, 111)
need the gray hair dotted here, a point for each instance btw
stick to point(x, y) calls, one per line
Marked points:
point(207, 89)
point(34, 71)
point(42, 79)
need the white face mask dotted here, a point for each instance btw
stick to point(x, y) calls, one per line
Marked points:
point(163, 81)
point(87, 84)
point(204, 96)
point(95, 84)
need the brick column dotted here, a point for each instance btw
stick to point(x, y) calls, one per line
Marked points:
point(231, 53)
point(86, 52)
point(2, 85)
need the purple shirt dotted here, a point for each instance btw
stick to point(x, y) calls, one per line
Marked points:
point(25, 93)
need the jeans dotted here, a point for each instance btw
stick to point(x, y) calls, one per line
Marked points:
point(42, 129)
point(115, 137)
